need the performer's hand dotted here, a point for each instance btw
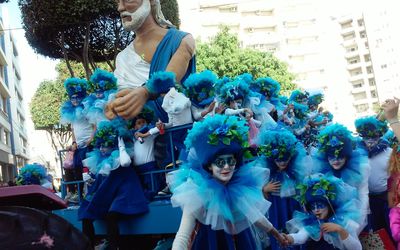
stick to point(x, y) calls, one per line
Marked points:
point(289, 239)
point(391, 108)
point(272, 187)
point(220, 108)
point(129, 102)
point(211, 107)
point(332, 227)
point(279, 237)
point(138, 134)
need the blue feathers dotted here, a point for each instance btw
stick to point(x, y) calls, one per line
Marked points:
point(370, 127)
point(160, 82)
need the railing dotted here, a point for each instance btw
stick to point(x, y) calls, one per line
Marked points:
point(170, 167)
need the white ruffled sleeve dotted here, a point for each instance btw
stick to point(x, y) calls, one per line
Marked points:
point(182, 238)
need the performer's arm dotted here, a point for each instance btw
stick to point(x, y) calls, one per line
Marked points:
point(182, 238)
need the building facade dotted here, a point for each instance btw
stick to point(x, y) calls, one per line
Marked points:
point(13, 139)
point(324, 49)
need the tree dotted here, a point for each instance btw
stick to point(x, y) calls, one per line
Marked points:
point(45, 110)
point(170, 10)
point(223, 55)
point(77, 30)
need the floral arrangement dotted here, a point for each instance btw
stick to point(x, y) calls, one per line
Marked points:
point(315, 189)
point(370, 127)
point(335, 140)
point(199, 87)
point(266, 86)
point(102, 80)
point(76, 86)
point(31, 174)
point(106, 135)
point(233, 90)
point(280, 144)
point(298, 96)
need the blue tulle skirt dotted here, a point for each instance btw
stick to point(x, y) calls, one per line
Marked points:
point(281, 210)
point(118, 192)
point(208, 239)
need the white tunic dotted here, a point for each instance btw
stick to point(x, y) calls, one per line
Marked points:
point(131, 69)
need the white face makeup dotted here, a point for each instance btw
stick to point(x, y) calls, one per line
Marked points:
point(132, 21)
point(320, 210)
point(337, 163)
point(370, 142)
point(223, 167)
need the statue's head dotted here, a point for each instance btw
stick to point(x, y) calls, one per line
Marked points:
point(135, 12)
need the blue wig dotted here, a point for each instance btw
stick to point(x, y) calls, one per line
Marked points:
point(31, 174)
point(370, 127)
point(234, 90)
point(199, 88)
point(102, 80)
point(76, 86)
point(298, 96)
point(216, 135)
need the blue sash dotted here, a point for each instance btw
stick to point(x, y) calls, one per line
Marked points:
point(161, 58)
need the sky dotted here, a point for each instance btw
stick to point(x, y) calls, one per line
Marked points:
point(34, 69)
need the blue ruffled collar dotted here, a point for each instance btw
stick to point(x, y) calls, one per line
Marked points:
point(377, 149)
point(71, 113)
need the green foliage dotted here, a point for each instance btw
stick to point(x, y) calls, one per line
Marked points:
point(54, 29)
point(223, 56)
point(46, 103)
point(77, 68)
point(170, 10)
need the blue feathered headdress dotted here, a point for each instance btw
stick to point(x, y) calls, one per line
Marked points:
point(335, 140)
point(328, 189)
point(107, 133)
point(102, 80)
point(298, 96)
point(216, 135)
point(31, 174)
point(266, 86)
point(246, 77)
point(234, 90)
point(277, 144)
point(160, 82)
point(316, 99)
point(300, 110)
point(199, 88)
point(76, 86)
point(283, 99)
point(370, 127)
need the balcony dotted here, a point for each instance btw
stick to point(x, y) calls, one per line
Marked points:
point(348, 43)
point(358, 90)
point(4, 89)
point(356, 77)
point(351, 54)
point(354, 65)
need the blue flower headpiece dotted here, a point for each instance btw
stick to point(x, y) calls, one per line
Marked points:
point(160, 82)
point(298, 96)
point(31, 174)
point(266, 86)
point(246, 77)
point(219, 134)
point(199, 88)
point(335, 140)
point(315, 100)
point(234, 90)
point(315, 189)
point(76, 86)
point(284, 100)
point(277, 144)
point(107, 133)
point(370, 127)
point(300, 110)
point(102, 80)
point(147, 114)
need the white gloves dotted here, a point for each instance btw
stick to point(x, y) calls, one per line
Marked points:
point(124, 158)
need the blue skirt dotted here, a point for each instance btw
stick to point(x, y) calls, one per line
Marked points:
point(119, 192)
point(208, 239)
point(279, 213)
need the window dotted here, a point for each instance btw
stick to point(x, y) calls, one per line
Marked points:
point(360, 96)
point(361, 108)
point(363, 34)
point(371, 82)
point(358, 85)
point(5, 137)
point(346, 24)
point(354, 60)
point(349, 36)
point(374, 94)
point(360, 22)
point(383, 66)
point(370, 70)
point(351, 49)
point(366, 45)
point(367, 58)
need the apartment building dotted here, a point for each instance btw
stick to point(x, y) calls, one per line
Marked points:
point(13, 135)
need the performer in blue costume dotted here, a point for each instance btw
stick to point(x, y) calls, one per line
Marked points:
point(199, 88)
point(82, 131)
point(116, 192)
point(287, 161)
point(339, 156)
point(371, 130)
point(328, 221)
point(103, 85)
point(220, 196)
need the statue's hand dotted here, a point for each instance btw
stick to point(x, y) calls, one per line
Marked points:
point(109, 110)
point(129, 102)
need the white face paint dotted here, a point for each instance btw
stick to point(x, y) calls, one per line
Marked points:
point(132, 21)
point(223, 167)
point(337, 163)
